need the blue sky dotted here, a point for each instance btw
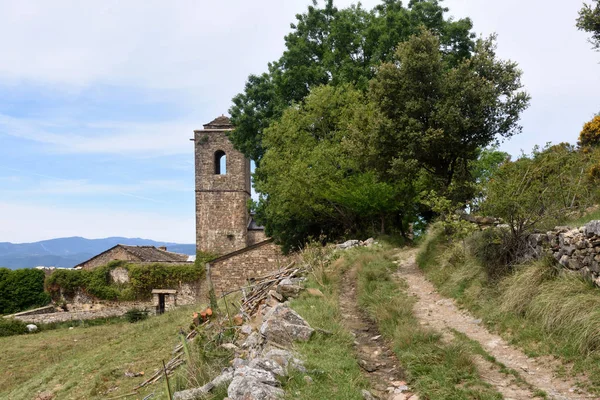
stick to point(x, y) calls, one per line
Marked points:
point(98, 100)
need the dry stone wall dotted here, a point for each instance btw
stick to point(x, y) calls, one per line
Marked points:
point(574, 249)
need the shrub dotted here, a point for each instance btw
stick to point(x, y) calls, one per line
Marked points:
point(135, 315)
point(21, 289)
point(10, 327)
point(590, 135)
point(539, 190)
point(142, 279)
point(497, 250)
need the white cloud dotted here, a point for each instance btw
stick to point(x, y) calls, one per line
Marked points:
point(27, 223)
point(140, 139)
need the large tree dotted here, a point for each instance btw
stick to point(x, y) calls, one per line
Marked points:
point(348, 162)
point(589, 21)
point(442, 112)
point(317, 176)
point(332, 46)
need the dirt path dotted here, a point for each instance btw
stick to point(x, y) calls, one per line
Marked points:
point(377, 360)
point(443, 315)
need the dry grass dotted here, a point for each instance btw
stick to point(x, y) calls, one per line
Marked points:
point(90, 362)
point(542, 310)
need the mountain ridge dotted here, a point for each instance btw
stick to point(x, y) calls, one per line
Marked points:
point(67, 252)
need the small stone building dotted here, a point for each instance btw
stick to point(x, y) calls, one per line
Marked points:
point(223, 223)
point(134, 254)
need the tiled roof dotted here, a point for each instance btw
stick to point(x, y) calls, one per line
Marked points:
point(145, 254)
point(153, 254)
point(221, 122)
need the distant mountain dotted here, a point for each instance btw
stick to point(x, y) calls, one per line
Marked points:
point(68, 252)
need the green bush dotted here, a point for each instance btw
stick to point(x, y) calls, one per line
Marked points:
point(538, 191)
point(497, 250)
point(21, 289)
point(142, 279)
point(136, 315)
point(10, 327)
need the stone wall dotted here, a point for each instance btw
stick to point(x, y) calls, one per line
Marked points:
point(233, 270)
point(221, 210)
point(118, 253)
point(574, 249)
point(256, 236)
point(221, 221)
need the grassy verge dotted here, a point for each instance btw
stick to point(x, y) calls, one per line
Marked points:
point(435, 369)
point(89, 362)
point(329, 359)
point(536, 307)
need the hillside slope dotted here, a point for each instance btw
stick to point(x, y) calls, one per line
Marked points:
point(88, 362)
point(68, 252)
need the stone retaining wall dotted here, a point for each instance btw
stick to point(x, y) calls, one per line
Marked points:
point(574, 249)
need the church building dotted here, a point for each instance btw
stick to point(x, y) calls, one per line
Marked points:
point(223, 223)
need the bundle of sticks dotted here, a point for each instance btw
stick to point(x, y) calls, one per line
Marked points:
point(259, 288)
point(170, 367)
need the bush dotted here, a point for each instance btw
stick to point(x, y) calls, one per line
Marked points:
point(590, 135)
point(497, 250)
point(135, 315)
point(21, 289)
point(538, 191)
point(10, 327)
point(142, 279)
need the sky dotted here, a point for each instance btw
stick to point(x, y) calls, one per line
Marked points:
point(98, 99)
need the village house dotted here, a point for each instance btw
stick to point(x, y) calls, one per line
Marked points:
point(135, 254)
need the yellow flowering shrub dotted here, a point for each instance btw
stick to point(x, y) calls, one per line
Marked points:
point(590, 135)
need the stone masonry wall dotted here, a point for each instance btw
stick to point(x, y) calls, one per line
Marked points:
point(221, 219)
point(233, 272)
point(221, 211)
point(256, 236)
point(117, 253)
point(574, 249)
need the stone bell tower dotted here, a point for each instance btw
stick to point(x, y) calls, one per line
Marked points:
point(222, 190)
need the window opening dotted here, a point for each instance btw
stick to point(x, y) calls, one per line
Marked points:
point(220, 163)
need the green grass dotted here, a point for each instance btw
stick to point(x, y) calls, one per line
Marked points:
point(536, 307)
point(435, 369)
point(576, 223)
point(90, 362)
point(329, 359)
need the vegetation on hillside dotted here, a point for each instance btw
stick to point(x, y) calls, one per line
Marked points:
point(142, 279)
point(21, 289)
point(348, 161)
point(533, 305)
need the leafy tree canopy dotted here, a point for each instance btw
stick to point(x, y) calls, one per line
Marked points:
point(589, 21)
point(442, 113)
point(332, 46)
point(346, 161)
point(316, 177)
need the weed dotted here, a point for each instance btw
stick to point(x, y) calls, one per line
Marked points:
point(436, 370)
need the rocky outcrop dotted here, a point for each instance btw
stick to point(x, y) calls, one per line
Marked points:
point(262, 356)
point(574, 249)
